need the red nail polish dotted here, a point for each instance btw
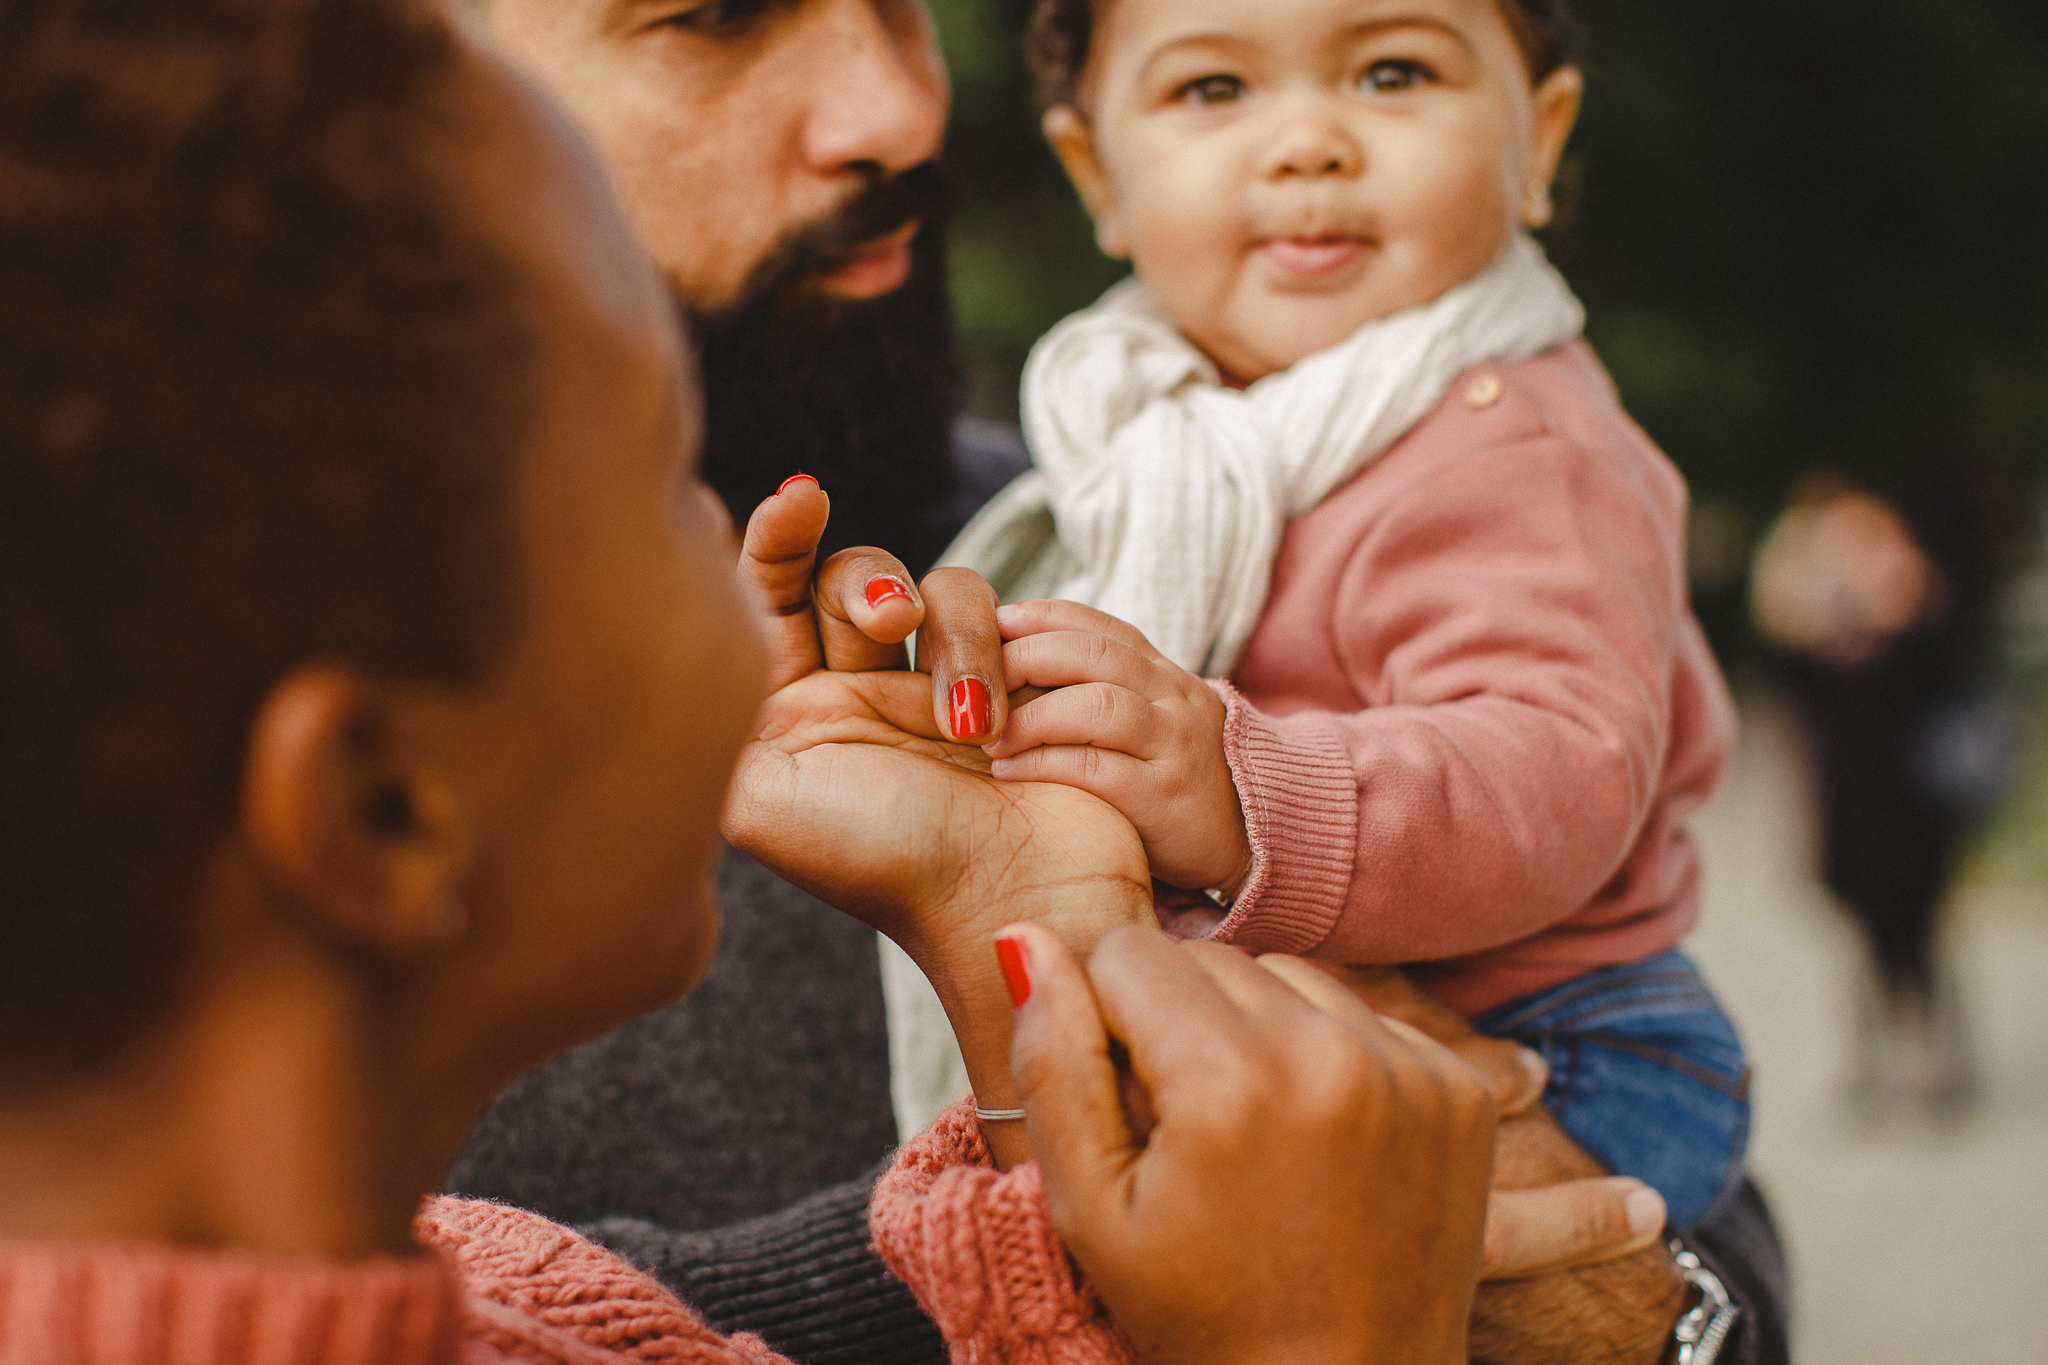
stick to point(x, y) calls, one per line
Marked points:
point(1016, 972)
point(795, 478)
point(880, 590)
point(972, 713)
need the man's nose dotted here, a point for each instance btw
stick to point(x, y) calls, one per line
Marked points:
point(1309, 140)
point(879, 95)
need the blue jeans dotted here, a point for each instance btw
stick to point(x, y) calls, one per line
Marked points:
point(1646, 1074)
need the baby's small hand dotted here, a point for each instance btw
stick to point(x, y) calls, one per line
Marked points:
point(1130, 726)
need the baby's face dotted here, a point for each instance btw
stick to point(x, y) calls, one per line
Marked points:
point(1283, 171)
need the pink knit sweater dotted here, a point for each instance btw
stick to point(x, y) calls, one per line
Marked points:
point(1477, 708)
point(503, 1285)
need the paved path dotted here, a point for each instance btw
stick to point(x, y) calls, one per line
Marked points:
point(1908, 1243)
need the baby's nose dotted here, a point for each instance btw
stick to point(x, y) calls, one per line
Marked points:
point(1314, 144)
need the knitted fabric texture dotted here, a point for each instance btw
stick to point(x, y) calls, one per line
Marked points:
point(93, 1304)
point(979, 1249)
point(805, 1279)
point(539, 1292)
point(507, 1285)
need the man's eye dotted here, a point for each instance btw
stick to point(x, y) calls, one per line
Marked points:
point(1394, 75)
point(718, 19)
point(1212, 90)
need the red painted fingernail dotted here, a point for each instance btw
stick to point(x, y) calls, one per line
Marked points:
point(795, 478)
point(1016, 972)
point(881, 590)
point(972, 713)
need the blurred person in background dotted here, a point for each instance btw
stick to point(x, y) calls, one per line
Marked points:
point(1882, 614)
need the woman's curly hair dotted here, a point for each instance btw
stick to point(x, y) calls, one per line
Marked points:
point(262, 388)
point(1062, 32)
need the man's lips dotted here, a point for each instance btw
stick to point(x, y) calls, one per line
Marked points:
point(872, 268)
point(1310, 258)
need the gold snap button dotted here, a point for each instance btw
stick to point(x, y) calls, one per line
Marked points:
point(1483, 392)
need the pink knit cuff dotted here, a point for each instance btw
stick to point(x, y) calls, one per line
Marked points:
point(540, 1291)
point(978, 1249)
point(1300, 799)
point(106, 1302)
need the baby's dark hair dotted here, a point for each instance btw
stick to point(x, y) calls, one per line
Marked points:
point(1062, 33)
point(263, 388)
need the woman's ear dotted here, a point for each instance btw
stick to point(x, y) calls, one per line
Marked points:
point(1073, 142)
point(348, 817)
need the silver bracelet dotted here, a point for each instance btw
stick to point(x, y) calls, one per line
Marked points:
point(1704, 1328)
point(997, 1115)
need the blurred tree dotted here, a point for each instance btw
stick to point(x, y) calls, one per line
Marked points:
point(1806, 231)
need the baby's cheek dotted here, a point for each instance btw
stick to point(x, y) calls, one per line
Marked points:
point(1184, 226)
point(1187, 260)
point(1449, 223)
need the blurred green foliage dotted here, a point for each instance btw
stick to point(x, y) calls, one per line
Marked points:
point(1806, 231)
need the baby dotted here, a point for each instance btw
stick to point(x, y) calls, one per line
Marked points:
point(1339, 448)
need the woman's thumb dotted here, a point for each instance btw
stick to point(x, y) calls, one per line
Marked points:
point(1060, 1059)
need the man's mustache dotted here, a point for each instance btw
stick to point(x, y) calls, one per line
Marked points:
point(922, 193)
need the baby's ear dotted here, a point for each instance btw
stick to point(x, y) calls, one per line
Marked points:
point(1073, 142)
point(1557, 113)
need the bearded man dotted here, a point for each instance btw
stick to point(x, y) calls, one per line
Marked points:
point(778, 160)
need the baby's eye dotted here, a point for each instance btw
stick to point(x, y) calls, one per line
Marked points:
point(1393, 75)
point(1212, 90)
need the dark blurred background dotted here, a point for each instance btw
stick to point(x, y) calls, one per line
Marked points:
point(1809, 233)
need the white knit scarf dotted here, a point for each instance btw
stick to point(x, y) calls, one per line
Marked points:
point(1169, 492)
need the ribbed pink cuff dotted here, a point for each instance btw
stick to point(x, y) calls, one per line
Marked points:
point(166, 1305)
point(1300, 801)
point(978, 1248)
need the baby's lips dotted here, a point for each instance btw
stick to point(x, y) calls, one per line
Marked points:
point(1311, 256)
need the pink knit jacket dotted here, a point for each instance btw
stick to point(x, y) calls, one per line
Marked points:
point(1477, 708)
point(504, 1285)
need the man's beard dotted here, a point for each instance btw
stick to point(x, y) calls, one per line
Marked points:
point(861, 394)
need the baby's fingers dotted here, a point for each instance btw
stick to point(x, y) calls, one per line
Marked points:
point(1021, 619)
point(1117, 778)
point(1098, 714)
point(1065, 657)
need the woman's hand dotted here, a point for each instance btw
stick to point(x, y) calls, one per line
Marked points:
point(849, 792)
point(853, 789)
point(1130, 725)
point(1314, 1188)
point(854, 614)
